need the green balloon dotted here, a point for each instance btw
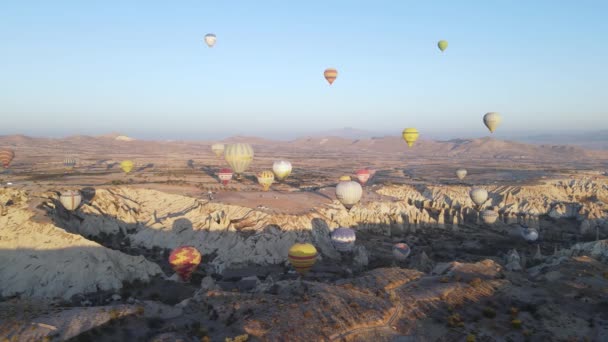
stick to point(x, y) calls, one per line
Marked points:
point(443, 44)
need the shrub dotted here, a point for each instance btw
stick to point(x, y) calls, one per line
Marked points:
point(470, 338)
point(455, 321)
point(489, 313)
point(475, 282)
point(516, 324)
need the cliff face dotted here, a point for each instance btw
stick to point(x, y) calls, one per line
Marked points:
point(57, 253)
point(43, 260)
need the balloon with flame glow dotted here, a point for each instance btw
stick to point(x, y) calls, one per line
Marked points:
point(184, 260)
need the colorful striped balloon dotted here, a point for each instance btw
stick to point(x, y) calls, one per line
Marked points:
point(239, 156)
point(265, 178)
point(330, 75)
point(401, 251)
point(302, 257)
point(184, 260)
point(70, 199)
point(225, 176)
point(6, 156)
point(69, 163)
point(343, 239)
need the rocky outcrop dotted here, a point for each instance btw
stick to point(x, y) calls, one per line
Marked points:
point(42, 260)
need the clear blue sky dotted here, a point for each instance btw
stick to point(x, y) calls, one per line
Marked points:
point(142, 68)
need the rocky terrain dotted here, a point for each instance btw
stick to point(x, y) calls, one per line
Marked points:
point(101, 272)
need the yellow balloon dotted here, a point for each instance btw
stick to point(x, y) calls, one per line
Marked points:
point(410, 135)
point(127, 166)
point(344, 179)
point(266, 178)
point(302, 257)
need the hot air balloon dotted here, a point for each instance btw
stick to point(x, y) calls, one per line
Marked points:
point(442, 45)
point(239, 156)
point(529, 234)
point(218, 149)
point(461, 173)
point(401, 251)
point(489, 216)
point(349, 193)
point(410, 135)
point(281, 169)
point(184, 260)
point(6, 156)
point(302, 257)
point(492, 120)
point(69, 163)
point(479, 196)
point(225, 176)
point(210, 39)
point(70, 199)
point(343, 239)
point(265, 178)
point(344, 179)
point(363, 176)
point(330, 75)
point(127, 166)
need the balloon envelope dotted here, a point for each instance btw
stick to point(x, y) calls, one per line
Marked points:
point(70, 199)
point(344, 179)
point(281, 169)
point(6, 156)
point(343, 239)
point(225, 175)
point(218, 149)
point(363, 176)
point(349, 193)
point(302, 257)
point(69, 163)
point(461, 173)
point(442, 45)
point(492, 120)
point(489, 216)
point(478, 196)
point(410, 135)
point(401, 251)
point(265, 178)
point(330, 75)
point(210, 39)
point(529, 234)
point(127, 166)
point(184, 260)
point(239, 156)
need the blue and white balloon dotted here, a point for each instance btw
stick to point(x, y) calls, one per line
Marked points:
point(343, 239)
